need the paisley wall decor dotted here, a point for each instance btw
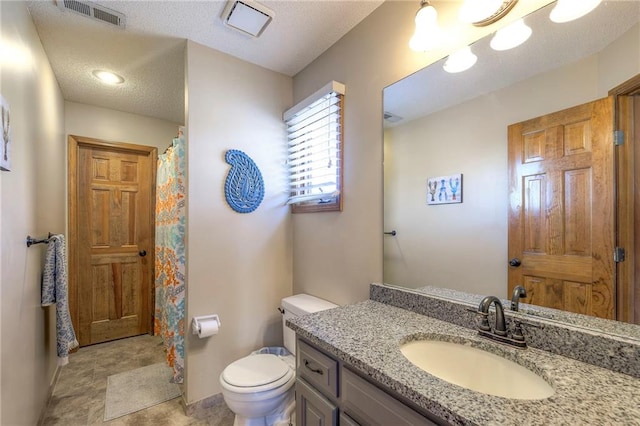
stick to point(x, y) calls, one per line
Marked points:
point(244, 187)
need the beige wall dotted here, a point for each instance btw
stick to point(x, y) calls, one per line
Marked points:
point(118, 126)
point(337, 255)
point(239, 264)
point(33, 203)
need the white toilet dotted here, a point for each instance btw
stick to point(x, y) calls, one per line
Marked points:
point(259, 387)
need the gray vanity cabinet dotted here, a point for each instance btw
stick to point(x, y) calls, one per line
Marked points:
point(328, 393)
point(313, 409)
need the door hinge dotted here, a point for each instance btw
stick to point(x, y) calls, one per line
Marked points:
point(618, 137)
point(618, 254)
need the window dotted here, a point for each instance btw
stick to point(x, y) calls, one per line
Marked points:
point(315, 142)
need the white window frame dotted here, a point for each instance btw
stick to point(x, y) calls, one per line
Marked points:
point(315, 137)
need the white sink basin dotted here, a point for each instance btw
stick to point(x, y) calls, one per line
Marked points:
point(475, 369)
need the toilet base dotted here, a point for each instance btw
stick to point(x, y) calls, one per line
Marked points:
point(285, 416)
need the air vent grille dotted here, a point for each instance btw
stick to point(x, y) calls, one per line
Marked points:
point(391, 117)
point(94, 11)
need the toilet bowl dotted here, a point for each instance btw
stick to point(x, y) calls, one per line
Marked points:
point(259, 387)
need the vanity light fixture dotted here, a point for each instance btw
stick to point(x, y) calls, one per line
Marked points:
point(427, 34)
point(460, 61)
point(568, 10)
point(511, 36)
point(108, 77)
point(484, 12)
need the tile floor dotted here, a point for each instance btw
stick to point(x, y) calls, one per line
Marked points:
point(79, 395)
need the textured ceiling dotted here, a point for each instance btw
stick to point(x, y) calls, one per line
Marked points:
point(550, 46)
point(149, 53)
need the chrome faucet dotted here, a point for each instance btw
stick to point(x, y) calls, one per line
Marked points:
point(499, 331)
point(519, 292)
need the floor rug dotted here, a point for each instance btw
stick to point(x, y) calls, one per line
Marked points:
point(138, 389)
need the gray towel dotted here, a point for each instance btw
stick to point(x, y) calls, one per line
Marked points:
point(54, 290)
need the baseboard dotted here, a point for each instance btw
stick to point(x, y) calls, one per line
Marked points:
point(210, 403)
point(52, 386)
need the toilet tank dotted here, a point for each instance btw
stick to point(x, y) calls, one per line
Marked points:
point(294, 306)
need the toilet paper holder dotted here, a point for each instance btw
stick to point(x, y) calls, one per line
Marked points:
point(196, 321)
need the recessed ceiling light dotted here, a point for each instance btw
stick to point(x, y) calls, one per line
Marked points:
point(108, 77)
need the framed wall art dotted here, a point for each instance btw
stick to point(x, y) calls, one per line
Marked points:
point(5, 155)
point(444, 189)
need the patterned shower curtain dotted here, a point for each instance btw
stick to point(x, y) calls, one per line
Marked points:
point(169, 321)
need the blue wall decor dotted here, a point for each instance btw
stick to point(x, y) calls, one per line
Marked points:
point(244, 187)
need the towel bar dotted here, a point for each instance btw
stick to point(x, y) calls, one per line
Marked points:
point(31, 241)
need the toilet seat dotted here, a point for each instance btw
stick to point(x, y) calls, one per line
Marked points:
point(256, 373)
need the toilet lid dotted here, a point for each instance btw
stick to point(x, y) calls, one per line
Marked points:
point(255, 370)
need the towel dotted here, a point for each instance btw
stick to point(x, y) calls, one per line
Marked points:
point(54, 290)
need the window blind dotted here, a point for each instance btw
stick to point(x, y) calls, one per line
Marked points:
point(314, 129)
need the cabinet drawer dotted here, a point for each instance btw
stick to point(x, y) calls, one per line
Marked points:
point(318, 369)
point(372, 406)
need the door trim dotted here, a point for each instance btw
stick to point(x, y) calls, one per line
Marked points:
point(74, 144)
point(627, 113)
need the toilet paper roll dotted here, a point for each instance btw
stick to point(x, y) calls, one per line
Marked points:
point(207, 328)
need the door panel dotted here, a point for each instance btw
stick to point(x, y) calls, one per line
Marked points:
point(113, 218)
point(561, 222)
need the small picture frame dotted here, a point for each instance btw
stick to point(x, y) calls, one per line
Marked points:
point(444, 189)
point(5, 151)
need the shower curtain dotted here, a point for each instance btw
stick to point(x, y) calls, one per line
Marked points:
point(169, 320)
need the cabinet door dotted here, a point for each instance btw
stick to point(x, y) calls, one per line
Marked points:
point(313, 409)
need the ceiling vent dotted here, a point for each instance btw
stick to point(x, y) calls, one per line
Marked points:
point(94, 11)
point(247, 16)
point(391, 117)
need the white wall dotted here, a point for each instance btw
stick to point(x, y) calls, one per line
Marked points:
point(33, 203)
point(337, 255)
point(117, 126)
point(239, 265)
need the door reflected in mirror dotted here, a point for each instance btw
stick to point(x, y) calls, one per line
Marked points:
point(443, 124)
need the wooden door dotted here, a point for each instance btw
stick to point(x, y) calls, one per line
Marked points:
point(561, 216)
point(111, 248)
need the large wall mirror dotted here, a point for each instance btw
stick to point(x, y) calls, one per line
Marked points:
point(439, 124)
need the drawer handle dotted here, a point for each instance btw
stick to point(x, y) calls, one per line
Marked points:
point(315, 370)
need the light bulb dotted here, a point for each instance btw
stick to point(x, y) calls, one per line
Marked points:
point(511, 36)
point(460, 61)
point(427, 33)
point(478, 10)
point(568, 10)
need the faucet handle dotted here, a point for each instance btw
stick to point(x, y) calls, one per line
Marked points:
point(517, 331)
point(483, 322)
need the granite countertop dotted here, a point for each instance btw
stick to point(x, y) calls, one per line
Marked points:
point(368, 336)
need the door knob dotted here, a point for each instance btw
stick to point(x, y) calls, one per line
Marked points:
point(142, 253)
point(515, 262)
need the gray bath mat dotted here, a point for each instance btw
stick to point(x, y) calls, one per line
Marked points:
point(138, 389)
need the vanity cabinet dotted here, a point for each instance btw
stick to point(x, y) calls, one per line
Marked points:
point(312, 408)
point(328, 393)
